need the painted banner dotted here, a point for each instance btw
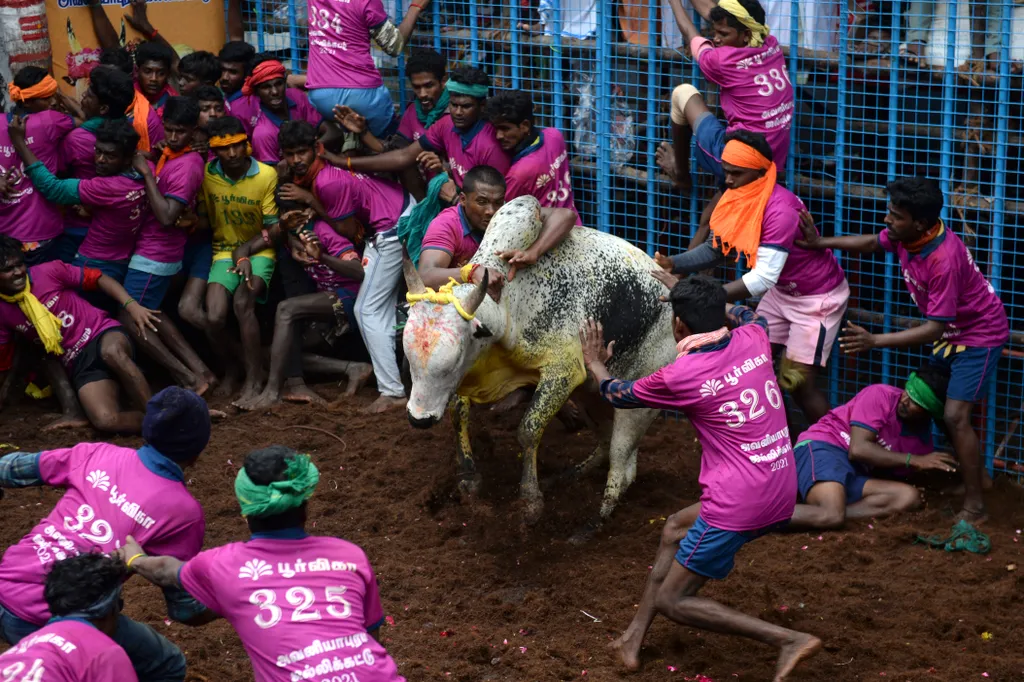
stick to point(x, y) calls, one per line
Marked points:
point(188, 25)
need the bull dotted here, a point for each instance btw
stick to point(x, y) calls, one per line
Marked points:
point(464, 347)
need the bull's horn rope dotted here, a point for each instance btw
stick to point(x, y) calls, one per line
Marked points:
point(442, 296)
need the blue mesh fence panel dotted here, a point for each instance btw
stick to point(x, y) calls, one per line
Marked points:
point(883, 89)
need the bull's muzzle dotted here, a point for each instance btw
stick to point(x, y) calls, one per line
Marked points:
point(423, 422)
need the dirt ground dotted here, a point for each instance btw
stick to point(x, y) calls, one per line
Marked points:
point(474, 599)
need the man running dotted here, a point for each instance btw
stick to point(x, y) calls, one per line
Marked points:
point(723, 381)
point(112, 493)
point(292, 598)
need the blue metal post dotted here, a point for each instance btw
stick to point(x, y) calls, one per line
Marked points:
point(652, 88)
point(261, 29)
point(603, 132)
point(838, 220)
point(435, 20)
point(474, 34)
point(401, 63)
point(948, 83)
point(693, 70)
point(558, 109)
point(794, 59)
point(514, 20)
point(293, 37)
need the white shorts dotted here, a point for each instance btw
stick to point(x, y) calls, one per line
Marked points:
point(806, 325)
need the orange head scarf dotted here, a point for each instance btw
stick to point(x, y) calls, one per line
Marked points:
point(262, 73)
point(736, 220)
point(44, 88)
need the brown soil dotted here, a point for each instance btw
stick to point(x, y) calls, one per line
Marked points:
point(475, 598)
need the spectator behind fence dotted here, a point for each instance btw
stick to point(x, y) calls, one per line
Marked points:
point(341, 69)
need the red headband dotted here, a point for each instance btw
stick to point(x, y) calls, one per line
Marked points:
point(262, 73)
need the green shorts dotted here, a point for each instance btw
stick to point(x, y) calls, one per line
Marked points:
point(262, 267)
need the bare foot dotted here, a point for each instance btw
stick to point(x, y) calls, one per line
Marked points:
point(385, 403)
point(358, 374)
point(217, 415)
point(516, 397)
point(301, 393)
point(262, 401)
point(228, 387)
point(665, 157)
point(959, 489)
point(975, 517)
point(67, 421)
point(627, 651)
point(802, 647)
point(250, 390)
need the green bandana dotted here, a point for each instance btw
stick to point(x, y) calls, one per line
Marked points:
point(93, 124)
point(279, 496)
point(440, 107)
point(457, 88)
point(922, 394)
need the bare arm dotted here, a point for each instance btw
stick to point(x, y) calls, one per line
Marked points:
point(139, 20)
point(105, 33)
point(162, 571)
point(167, 211)
point(704, 7)
point(434, 268)
point(865, 450)
point(856, 339)
point(235, 29)
point(557, 224)
point(389, 162)
point(701, 235)
point(683, 20)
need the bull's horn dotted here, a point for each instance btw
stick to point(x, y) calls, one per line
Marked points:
point(477, 297)
point(412, 277)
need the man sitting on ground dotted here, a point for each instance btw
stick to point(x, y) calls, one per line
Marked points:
point(883, 427)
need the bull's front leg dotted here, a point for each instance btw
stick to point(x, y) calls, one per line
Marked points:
point(467, 476)
point(555, 385)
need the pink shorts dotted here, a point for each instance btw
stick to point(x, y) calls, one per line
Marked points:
point(806, 325)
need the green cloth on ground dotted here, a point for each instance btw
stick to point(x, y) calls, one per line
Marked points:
point(413, 227)
point(964, 537)
point(301, 477)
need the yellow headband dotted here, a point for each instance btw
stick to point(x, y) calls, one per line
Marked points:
point(227, 140)
point(442, 296)
point(758, 32)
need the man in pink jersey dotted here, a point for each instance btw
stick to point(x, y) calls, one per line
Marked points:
point(278, 104)
point(965, 320)
point(426, 70)
point(116, 197)
point(453, 237)
point(883, 427)
point(109, 94)
point(347, 200)
point(306, 607)
point(43, 304)
point(804, 292)
point(540, 159)
point(171, 191)
point(235, 63)
point(24, 214)
point(723, 381)
point(463, 137)
point(341, 70)
point(83, 594)
point(113, 493)
point(748, 66)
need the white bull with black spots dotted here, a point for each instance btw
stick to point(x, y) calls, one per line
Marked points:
point(531, 337)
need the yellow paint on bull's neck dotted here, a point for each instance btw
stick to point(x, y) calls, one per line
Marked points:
point(443, 296)
point(499, 370)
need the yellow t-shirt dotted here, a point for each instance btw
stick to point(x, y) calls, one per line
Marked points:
point(238, 211)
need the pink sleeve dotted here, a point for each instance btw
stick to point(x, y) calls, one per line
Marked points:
point(781, 225)
point(440, 236)
point(405, 126)
point(155, 126)
point(184, 184)
point(885, 242)
point(332, 242)
point(495, 157)
point(374, 14)
point(373, 612)
point(434, 136)
point(698, 45)
point(195, 578)
point(865, 411)
point(515, 186)
point(658, 391)
point(338, 198)
point(183, 538)
point(55, 466)
point(710, 60)
point(943, 292)
point(110, 665)
point(69, 276)
point(91, 192)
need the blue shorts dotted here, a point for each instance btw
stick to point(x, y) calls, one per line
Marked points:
point(710, 551)
point(709, 142)
point(68, 243)
point(148, 289)
point(197, 259)
point(817, 461)
point(116, 269)
point(970, 371)
point(374, 104)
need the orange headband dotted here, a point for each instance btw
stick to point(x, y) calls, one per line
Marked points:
point(226, 140)
point(739, 154)
point(262, 73)
point(44, 88)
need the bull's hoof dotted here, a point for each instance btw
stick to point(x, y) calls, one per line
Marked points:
point(469, 484)
point(586, 533)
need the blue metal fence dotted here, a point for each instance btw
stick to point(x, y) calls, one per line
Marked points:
point(882, 90)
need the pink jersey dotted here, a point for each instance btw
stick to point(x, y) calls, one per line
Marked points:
point(874, 409)
point(948, 287)
point(375, 202)
point(179, 180)
point(732, 398)
point(410, 127)
point(67, 650)
point(111, 493)
point(78, 154)
point(542, 170)
point(57, 286)
point(267, 126)
point(246, 108)
point(755, 91)
point(155, 126)
point(339, 43)
point(476, 147)
point(338, 246)
point(24, 213)
point(450, 232)
point(302, 606)
point(806, 272)
point(119, 207)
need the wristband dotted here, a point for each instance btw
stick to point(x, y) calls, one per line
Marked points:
point(152, 35)
point(350, 163)
point(243, 258)
point(908, 460)
point(465, 272)
point(124, 306)
point(419, 7)
point(128, 564)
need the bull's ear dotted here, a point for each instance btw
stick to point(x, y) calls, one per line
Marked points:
point(481, 331)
